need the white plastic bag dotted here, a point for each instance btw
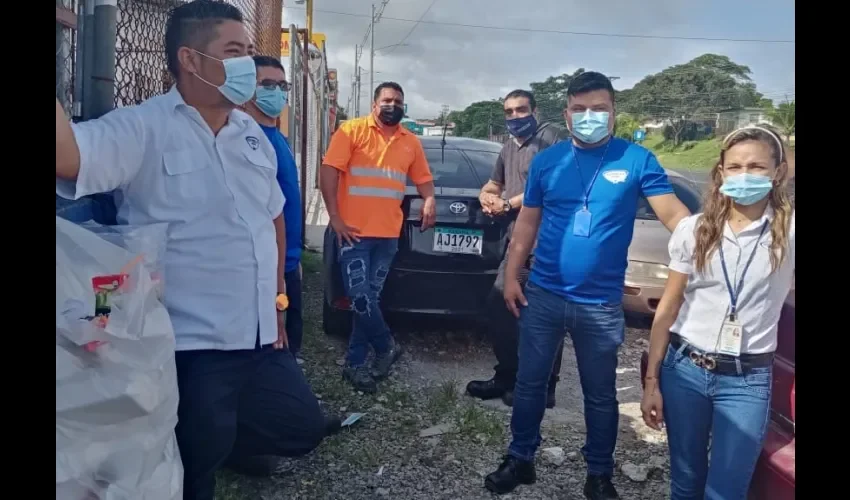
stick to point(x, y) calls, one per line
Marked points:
point(116, 402)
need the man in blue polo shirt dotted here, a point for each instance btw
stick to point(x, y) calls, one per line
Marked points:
point(265, 108)
point(582, 196)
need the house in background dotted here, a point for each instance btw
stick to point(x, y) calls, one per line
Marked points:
point(731, 119)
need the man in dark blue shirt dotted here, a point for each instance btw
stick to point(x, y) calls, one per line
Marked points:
point(582, 196)
point(265, 108)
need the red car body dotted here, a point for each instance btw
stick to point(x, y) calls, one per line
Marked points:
point(775, 474)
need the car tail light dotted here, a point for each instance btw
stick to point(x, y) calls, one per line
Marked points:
point(342, 303)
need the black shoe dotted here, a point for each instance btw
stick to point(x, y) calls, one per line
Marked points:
point(332, 425)
point(487, 389)
point(512, 473)
point(382, 363)
point(599, 488)
point(360, 378)
point(508, 399)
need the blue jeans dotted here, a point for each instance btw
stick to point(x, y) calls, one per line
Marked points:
point(365, 266)
point(597, 331)
point(729, 411)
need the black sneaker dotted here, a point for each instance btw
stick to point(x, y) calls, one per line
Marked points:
point(360, 378)
point(599, 488)
point(487, 389)
point(382, 363)
point(512, 473)
point(508, 399)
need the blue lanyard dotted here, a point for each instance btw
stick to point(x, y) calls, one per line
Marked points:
point(595, 175)
point(734, 293)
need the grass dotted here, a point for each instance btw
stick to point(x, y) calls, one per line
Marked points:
point(688, 156)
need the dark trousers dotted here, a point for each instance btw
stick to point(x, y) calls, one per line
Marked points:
point(294, 321)
point(237, 405)
point(503, 329)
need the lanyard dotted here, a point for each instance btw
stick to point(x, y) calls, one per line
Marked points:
point(595, 174)
point(735, 293)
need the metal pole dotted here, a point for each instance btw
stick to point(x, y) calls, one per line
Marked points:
point(79, 62)
point(87, 40)
point(304, 88)
point(309, 19)
point(372, 53)
point(103, 66)
point(293, 47)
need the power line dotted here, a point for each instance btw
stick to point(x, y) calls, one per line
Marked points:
point(412, 29)
point(559, 32)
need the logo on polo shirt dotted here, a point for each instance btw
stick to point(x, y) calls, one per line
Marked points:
point(615, 176)
point(253, 142)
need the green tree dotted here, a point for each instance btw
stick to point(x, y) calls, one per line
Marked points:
point(551, 95)
point(783, 118)
point(479, 119)
point(625, 126)
point(692, 92)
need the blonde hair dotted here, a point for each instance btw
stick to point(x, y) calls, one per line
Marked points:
point(717, 206)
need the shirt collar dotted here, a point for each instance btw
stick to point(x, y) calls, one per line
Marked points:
point(174, 100)
point(754, 227)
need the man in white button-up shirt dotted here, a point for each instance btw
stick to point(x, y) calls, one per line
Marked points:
point(191, 159)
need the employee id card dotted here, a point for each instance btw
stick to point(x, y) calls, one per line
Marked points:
point(581, 223)
point(731, 335)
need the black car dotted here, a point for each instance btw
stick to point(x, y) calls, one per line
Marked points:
point(448, 269)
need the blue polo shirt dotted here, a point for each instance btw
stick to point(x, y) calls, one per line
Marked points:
point(591, 269)
point(287, 177)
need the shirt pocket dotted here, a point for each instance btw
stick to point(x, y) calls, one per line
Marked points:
point(260, 178)
point(187, 175)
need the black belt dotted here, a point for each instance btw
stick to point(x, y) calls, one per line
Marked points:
point(722, 364)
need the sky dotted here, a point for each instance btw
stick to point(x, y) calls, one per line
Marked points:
point(441, 64)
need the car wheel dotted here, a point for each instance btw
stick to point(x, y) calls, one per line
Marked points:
point(335, 322)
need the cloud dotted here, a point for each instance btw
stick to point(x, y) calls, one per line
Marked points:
point(455, 66)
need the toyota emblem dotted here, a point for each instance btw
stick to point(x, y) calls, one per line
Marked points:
point(458, 207)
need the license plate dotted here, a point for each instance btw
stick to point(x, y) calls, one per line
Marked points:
point(454, 240)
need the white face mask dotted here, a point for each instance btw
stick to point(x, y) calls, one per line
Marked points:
point(240, 78)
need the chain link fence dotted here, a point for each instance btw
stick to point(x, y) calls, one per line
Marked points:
point(140, 66)
point(65, 45)
point(317, 132)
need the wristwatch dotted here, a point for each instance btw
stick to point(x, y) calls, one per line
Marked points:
point(507, 206)
point(282, 302)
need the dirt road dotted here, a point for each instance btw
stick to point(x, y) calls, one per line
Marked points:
point(386, 455)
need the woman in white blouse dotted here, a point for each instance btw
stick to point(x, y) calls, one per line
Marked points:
point(714, 335)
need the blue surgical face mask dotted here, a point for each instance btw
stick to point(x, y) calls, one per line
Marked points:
point(590, 127)
point(240, 78)
point(522, 127)
point(271, 102)
point(746, 189)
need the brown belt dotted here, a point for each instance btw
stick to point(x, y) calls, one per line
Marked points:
point(722, 364)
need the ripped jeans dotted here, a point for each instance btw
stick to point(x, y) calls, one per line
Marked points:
point(365, 266)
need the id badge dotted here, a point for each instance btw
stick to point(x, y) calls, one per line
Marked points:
point(581, 224)
point(731, 335)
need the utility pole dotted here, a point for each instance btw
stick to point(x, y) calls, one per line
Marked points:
point(353, 113)
point(372, 53)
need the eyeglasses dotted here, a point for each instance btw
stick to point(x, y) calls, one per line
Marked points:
point(273, 84)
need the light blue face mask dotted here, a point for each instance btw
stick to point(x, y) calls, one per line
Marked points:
point(590, 126)
point(271, 102)
point(746, 189)
point(240, 78)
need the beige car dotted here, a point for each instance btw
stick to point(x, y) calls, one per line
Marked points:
point(646, 273)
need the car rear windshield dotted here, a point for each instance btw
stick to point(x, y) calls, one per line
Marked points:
point(451, 171)
point(686, 193)
point(483, 162)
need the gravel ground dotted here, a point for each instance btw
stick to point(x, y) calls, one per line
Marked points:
point(384, 455)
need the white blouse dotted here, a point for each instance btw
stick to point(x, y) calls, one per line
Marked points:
point(707, 301)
